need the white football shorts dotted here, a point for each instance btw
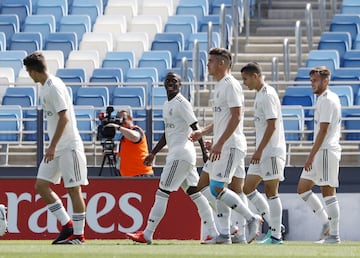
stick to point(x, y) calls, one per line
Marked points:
point(71, 166)
point(178, 173)
point(230, 164)
point(325, 168)
point(268, 169)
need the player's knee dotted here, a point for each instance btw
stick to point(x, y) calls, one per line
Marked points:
point(215, 186)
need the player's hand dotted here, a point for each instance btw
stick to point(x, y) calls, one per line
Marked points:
point(49, 154)
point(195, 135)
point(149, 159)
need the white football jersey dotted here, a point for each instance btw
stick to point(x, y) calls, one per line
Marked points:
point(267, 106)
point(228, 93)
point(178, 116)
point(55, 98)
point(328, 110)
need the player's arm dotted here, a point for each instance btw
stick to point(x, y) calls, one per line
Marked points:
point(194, 127)
point(60, 127)
point(150, 157)
point(198, 133)
point(235, 117)
point(317, 144)
point(269, 131)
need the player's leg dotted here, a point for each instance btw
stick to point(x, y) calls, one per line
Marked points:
point(222, 172)
point(49, 173)
point(238, 222)
point(328, 188)
point(190, 186)
point(172, 177)
point(74, 173)
point(272, 172)
point(307, 181)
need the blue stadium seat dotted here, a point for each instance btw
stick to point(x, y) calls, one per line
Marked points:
point(2, 41)
point(346, 97)
point(22, 96)
point(133, 96)
point(294, 120)
point(72, 76)
point(340, 41)
point(80, 24)
point(202, 38)
point(119, 59)
point(188, 54)
point(329, 58)
point(215, 6)
point(45, 24)
point(85, 122)
point(348, 74)
point(22, 8)
point(303, 96)
point(352, 58)
point(13, 59)
point(350, 8)
point(186, 24)
point(216, 26)
point(64, 41)
point(107, 75)
point(352, 122)
point(172, 41)
point(302, 74)
point(160, 59)
point(28, 41)
point(11, 123)
point(351, 27)
point(92, 96)
point(9, 25)
point(93, 8)
point(198, 8)
point(178, 70)
point(58, 8)
point(143, 76)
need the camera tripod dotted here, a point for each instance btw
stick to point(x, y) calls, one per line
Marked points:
point(109, 156)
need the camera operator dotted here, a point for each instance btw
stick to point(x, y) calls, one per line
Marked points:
point(133, 147)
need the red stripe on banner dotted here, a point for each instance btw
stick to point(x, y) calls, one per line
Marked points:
point(114, 206)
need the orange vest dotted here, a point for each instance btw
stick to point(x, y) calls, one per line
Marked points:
point(132, 156)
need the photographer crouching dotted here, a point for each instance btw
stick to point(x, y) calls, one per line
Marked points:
point(133, 147)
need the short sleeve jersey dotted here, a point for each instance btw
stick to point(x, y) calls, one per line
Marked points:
point(267, 106)
point(178, 116)
point(228, 94)
point(328, 110)
point(55, 98)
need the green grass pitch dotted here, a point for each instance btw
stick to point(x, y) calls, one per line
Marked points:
point(173, 249)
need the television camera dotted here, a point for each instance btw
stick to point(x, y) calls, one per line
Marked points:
point(106, 135)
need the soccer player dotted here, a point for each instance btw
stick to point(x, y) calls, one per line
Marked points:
point(268, 161)
point(229, 146)
point(322, 164)
point(64, 157)
point(3, 220)
point(180, 168)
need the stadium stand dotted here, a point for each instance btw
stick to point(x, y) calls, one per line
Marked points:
point(22, 8)
point(9, 25)
point(119, 59)
point(79, 24)
point(28, 41)
point(57, 8)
